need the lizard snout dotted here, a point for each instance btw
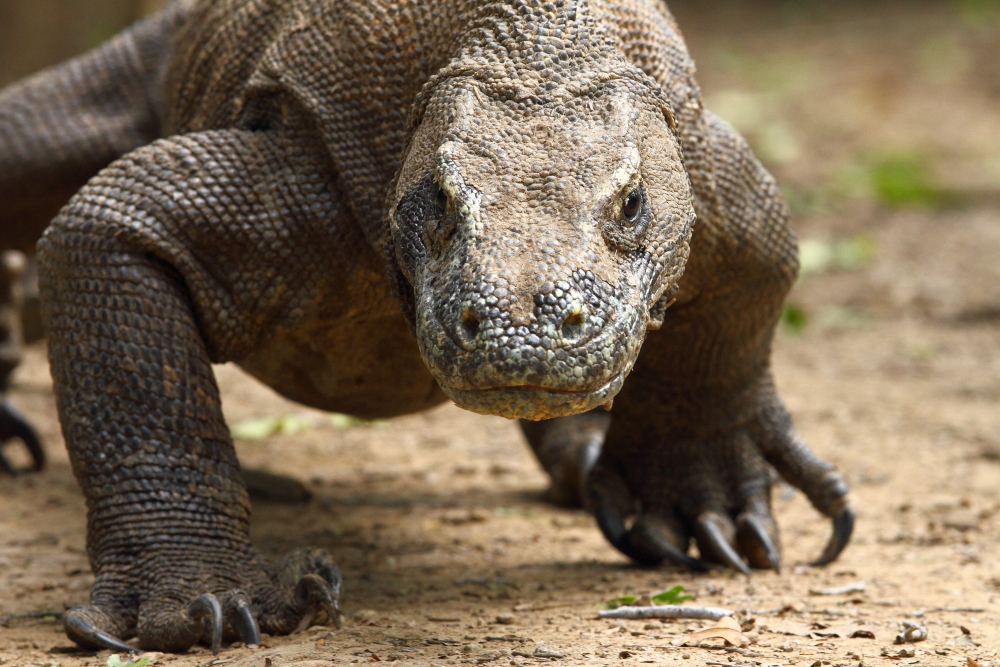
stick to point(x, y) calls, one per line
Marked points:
point(560, 314)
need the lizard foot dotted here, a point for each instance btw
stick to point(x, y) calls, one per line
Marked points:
point(567, 448)
point(652, 502)
point(282, 597)
point(13, 425)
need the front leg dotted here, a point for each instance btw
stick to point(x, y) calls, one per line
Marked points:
point(188, 251)
point(698, 427)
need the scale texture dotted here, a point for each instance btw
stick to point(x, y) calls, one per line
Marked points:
point(373, 207)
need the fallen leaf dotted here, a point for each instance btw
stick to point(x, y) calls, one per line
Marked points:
point(729, 622)
point(969, 662)
point(848, 631)
point(726, 628)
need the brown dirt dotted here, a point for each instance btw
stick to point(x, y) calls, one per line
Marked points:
point(437, 519)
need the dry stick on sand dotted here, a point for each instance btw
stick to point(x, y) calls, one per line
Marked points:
point(668, 611)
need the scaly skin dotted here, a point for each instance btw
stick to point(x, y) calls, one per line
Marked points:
point(375, 206)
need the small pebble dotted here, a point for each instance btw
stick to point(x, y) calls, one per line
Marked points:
point(543, 652)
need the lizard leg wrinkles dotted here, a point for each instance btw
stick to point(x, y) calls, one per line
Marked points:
point(137, 304)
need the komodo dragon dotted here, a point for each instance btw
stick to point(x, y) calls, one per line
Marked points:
point(375, 205)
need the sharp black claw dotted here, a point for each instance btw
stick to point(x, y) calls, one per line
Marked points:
point(720, 546)
point(612, 524)
point(770, 551)
point(82, 630)
point(316, 592)
point(843, 526)
point(647, 539)
point(245, 623)
point(207, 607)
point(14, 425)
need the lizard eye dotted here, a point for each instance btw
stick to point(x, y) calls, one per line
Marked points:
point(632, 207)
point(440, 202)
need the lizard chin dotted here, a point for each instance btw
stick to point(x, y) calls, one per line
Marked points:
point(532, 402)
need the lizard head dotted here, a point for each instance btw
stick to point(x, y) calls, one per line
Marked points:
point(534, 227)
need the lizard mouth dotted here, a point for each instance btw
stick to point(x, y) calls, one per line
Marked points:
point(538, 388)
point(525, 401)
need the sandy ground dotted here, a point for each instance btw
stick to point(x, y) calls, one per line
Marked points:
point(449, 552)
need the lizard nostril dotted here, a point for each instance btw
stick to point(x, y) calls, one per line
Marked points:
point(470, 323)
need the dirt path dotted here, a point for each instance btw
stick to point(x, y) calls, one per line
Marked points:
point(449, 553)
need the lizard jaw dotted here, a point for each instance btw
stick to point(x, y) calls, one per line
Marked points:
point(533, 402)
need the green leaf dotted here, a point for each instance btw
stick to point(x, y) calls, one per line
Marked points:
point(794, 318)
point(116, 661)
point(292, 424)
point(903, 179)
point(258, 428)
point(338, 420)
point(255, 428)
point(614, 603)
point(672, 596)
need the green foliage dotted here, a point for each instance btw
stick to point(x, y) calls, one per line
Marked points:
point(338, 420)
point(614, 603)
point(979, 13)
point(816, 256)
point(258, 428)
point(116, 661)
point(794, 318)
point(673, 596)
point(902, 180)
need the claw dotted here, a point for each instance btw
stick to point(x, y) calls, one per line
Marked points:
point(81, 629)
point(611, 521)
point(720, 546)
point(609, 499)
point(207, 607)
point(315, 591)
point(843, 526)
point(763, 540)
point(245, 623)
point(648, 538)
point(14, 425)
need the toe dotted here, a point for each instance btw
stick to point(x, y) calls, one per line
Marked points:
point(757, 538)
point(656, 540)
point(240, 619)
point(165, 625)
point(716, 536)
point(304, 585)
point(843, 526)
point(93, 628)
